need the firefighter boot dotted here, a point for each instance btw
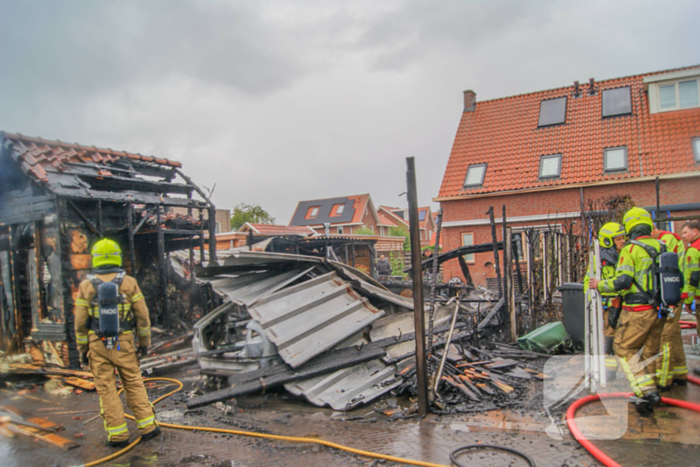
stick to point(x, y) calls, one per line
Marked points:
point(151, 434)
point(645, 405)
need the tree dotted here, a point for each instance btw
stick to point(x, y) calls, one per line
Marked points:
point(252, 213)
point(364, 230)
point(401, 231)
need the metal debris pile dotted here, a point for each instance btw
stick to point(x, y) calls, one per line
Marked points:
point(320, 329)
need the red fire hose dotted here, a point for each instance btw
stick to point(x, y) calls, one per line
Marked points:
point(597, 453)
point(688, 324)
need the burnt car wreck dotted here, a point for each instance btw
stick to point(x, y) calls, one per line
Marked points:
point(56, 199)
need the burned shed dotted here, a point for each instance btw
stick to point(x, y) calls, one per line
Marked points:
point(56, 200)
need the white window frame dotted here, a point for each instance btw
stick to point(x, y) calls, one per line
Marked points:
point(470, 257)
point(605, 160)
point(655, 95)
point(550, 156)
point(695, 142)
point(483, 176)
point(340, 230)
point(218, 227)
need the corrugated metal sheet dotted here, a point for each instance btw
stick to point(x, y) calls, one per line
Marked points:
point(245, 289)
point(348, 388)
point(309, 318)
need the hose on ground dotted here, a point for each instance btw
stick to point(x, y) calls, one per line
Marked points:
point(590, 447)
point(293, 439)
point(469, 447)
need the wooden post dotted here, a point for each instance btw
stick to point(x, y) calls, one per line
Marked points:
point(162, 269)
point(202, 259)
point(212, 234)
point(510, 292)
point(507, 261)
point(100, 228)
point(132, 248)
point(496, 262)
point(417, 271)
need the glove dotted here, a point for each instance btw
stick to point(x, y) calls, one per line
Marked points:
point(84, 360)
point(614, 311)
point(142, 351)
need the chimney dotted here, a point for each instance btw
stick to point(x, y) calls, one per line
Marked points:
point(577, 91)
point(469, 100)
point(591, 91)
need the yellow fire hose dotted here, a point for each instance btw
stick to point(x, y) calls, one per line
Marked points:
point(293, 439)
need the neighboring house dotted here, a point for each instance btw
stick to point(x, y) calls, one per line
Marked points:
point(344, 215)
point(426, 220)
point(388, 216)
point(278, 230)
point(545, 154)
point(222, 218)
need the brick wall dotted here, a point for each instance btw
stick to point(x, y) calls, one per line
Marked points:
point(551, 202)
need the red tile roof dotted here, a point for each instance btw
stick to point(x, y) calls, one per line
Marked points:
point(269, 229)
point(387, 217)
point(503, 133)
point(36, 155)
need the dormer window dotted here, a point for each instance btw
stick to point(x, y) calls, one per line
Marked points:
point(337, 210)
point(615, 159)
point(475, 176)
point(617, 102)
point(550, 166)
point(674, 91)
point(552, 112)
point(312, 212)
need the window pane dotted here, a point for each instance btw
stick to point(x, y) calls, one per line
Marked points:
point(549, 166)
point(467, 240)
point(475, 175)
point(341, 208)
point(667, 96)
point(552, 112)
point(696, 149)
point(615, 159)
point(617, 102)
point(688, 93)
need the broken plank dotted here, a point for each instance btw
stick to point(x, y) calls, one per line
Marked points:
point(288, 375)
point(485, 387)
point(49, 438)
point(537, 374)
point(80, 383)
point(461, 387)
point(498, 364)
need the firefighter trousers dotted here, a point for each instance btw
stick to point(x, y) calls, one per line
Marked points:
point(636, 344)
point(671, 365)
point(103, 362)
point(609, 333)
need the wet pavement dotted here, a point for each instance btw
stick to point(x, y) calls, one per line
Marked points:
point(671, 437)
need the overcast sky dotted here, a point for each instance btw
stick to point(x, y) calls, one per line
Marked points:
point(281, 101)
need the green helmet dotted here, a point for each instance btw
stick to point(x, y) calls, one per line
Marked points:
point(637, 216)
point(106, 252)
point(608, 232)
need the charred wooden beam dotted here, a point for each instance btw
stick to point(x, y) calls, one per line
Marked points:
point(496, 261)
point(84, 218)
point(132, 248)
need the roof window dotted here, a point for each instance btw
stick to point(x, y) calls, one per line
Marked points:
point(312, 212)
point(615, 159)
point(696, 149)
point(617, 102)
point(475, 175)
point(550, 166)
point(337, 210)
point(552, 112)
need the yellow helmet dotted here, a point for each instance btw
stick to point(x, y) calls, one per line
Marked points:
point(637, 216)
point(608, 232)
point(106, 252)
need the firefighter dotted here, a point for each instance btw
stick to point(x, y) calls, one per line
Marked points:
point(638, 330)
point(95, 348)
point(612, 239)
point(690, 233)
point(671, 367)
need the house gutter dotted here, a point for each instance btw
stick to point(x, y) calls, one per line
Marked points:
point(682, 175)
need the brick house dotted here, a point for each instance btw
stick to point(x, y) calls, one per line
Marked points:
point(426, 222)
point(344, 215)
point(545, 154)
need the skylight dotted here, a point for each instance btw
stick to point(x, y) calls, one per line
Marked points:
point(552, 112)
point(550, 166)
point(475, 175)
point(617, 102)
point(615, 159)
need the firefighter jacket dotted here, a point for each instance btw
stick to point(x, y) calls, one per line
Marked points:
point(673, 242)
point(608, 265)
point(634, 265)
point(132, 311)
point(691, 272)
